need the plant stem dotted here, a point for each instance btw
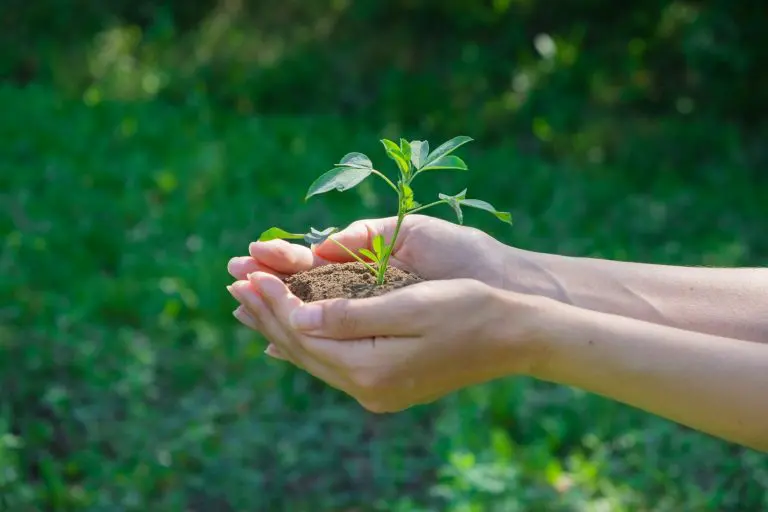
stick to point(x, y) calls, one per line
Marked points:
point(427, 206)
point(358, 258)
point(384, 263)
point(389, 182)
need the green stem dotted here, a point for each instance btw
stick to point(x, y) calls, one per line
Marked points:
point(358, 258)
point(391, 247)
point(427, 206)
point(389, 182)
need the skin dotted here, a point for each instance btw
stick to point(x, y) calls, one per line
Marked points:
point(687, 344)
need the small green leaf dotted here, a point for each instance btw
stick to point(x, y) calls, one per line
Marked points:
point(405, 149)
point(315, 236)
point(275, 233)
point(356, 160)
point(340, 178)
point(455, 203)
point(483, 205)
point(408, 198)
point(419, 152)
point(394, 152)
point(446, 162)
point(368, 254)
point(390, 145)
point(446, 148)
point(378, 245)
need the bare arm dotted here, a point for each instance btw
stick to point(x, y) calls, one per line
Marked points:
point(712, 384)
point(720, 301)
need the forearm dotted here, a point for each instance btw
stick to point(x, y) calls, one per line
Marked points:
point(724, 302)
point(709, 383)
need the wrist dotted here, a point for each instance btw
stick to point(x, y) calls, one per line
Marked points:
point(534, 273)
point(525, 333)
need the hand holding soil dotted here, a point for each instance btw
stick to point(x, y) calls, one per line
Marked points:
point(399, 349)
point(404, 310)
point(426, 248)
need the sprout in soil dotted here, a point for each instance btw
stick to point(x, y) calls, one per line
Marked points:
point(412, 158)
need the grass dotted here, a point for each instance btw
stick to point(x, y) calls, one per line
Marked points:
point(127, 384)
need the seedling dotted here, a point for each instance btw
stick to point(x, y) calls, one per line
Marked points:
point(413, 159)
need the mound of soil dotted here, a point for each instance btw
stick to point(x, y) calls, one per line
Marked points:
point(346, 280)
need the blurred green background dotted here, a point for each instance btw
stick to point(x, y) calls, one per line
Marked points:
point(144, 143)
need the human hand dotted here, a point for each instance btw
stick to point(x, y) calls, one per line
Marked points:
point(408, 347)
point(430, 247)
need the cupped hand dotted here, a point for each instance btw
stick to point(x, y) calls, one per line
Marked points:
point(407, 347)
point(430, 247)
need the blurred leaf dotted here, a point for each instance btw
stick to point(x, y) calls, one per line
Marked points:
point(316, 237)
point(368, 254)
point(274, 233)
point(378, 245)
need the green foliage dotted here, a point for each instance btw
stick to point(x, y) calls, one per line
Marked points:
point(126, 385)
point(580, 82)
point(127, 183)
point(351, 171)
point(353, 168)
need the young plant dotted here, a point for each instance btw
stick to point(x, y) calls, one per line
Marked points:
point(413, 159)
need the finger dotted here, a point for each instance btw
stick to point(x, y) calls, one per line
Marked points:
point(358, 235)
point(245, 318)
point(240, 266)
point(399, 314)
point(281, 302)
point(276, 294)
point(273, 329)
point(273, 351)
point(241, 313)
point(258, 314)
point(284, 257)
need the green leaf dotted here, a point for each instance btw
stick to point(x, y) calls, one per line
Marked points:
point(356, 160)
point(315, 236)
point(483, 205)
point(455, 203)
point(446, 148)
point(378, 245)
point(408, 197)
point(390, 146)
point(275, 233)
point(368, 254)
point(340, 178)
point(419, 152)
point(446, 162)
point(394, 152)
point(405, 149)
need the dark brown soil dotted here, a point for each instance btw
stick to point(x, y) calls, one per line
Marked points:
point(346, 280)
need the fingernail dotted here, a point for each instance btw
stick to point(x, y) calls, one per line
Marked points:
point(234, 293)
point(307, 317)
point(272, 351)
point(245, 318)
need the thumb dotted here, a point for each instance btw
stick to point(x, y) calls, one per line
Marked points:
point(348, 319)
point(358, 235)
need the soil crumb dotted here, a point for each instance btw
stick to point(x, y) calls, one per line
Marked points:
point(346, 280)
